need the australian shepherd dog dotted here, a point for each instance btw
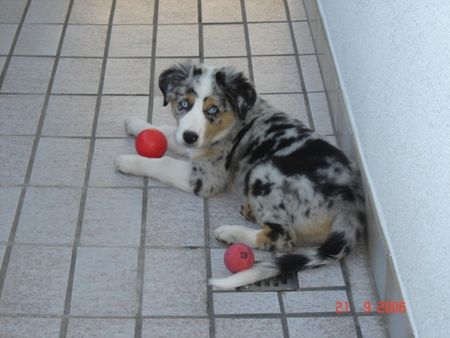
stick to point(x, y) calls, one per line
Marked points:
point(303, 192)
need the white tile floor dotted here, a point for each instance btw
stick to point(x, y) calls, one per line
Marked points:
point(88, 252)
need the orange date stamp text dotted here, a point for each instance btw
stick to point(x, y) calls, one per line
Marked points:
point(381, 307)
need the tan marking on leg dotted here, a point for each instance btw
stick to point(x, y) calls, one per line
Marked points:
point(314, 232)
point(247, 213)
point(262, 238)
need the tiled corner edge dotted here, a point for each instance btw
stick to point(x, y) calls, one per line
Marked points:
point(384, 272)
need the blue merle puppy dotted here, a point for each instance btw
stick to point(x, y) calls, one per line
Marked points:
point(300, 189)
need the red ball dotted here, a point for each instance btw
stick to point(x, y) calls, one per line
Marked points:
point(151, 143)
point(238, 257)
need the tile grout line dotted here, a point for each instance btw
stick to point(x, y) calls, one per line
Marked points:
point(210, 298)
point(208, 268)
point(304, 289)
point(71, 137)
point(299, 67)
point(161, 24)
point(250, 22)
point(333, 124)
point(201, 51)
point(12, 233)
point(13, 44)
point(284, 323)
point(67, 94)
point(247, 42)
point(142, 246)
point(342, 264)
point(141, 261)
point(252, 79)
point(283, 318)
point(69, 290)
point(232, 316)
point(91, 186)
point(288, 315)
point(345, 274)
point(89, 94)
point(137, 57)
point(57, 137)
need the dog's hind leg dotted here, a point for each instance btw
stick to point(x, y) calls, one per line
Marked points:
point(272, 236)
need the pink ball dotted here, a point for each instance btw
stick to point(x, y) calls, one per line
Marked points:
point(151, 143)
point(238, 257)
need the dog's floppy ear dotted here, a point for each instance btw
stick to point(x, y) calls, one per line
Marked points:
point(238, 89)
point(173, 77)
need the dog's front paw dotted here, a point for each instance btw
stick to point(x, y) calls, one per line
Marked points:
point(226, 234)
point(134, 126)
point(127, 164)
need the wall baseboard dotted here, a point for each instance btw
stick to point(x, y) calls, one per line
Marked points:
point(384, 274)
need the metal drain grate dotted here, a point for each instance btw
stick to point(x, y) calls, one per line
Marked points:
point(284, 282)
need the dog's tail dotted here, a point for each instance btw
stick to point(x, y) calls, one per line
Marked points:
point(338, 244)
point(259, 271)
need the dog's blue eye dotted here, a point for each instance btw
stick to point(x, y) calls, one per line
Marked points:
point(184, 104)
point(213, 110)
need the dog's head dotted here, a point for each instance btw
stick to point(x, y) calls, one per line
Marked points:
point(206, 102)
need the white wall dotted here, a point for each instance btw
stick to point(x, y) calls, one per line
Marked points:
point(393, 58)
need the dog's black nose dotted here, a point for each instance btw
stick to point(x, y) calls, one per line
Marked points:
point(190, 137)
